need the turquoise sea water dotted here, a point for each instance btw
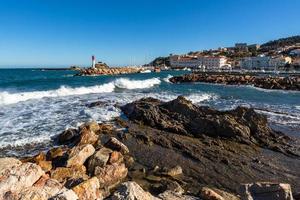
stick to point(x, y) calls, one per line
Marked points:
point(37, 105)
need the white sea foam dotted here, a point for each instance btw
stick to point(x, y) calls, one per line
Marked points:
point(166, 79)
point(200, 97)
point(122, 83)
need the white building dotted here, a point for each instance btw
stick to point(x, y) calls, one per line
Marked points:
point(264, 62)
point(207, 62)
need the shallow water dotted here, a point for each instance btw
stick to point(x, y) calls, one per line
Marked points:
point(37, 105)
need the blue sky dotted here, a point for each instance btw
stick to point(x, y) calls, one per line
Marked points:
point(66, 32)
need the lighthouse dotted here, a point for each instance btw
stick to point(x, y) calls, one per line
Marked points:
point(93, 61)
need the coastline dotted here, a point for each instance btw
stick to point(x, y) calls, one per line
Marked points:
point(158, 157)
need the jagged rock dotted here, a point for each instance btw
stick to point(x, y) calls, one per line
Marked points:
point(100, 158)
point(110, 175)
point(131, 191)
point(182, 117)
point(19, 177)
point(266, 191)
point(88, 190)
point(62, 174)
point(8, 163)
point(68, 136)
point(87, 136)
point(80, 154)
point(226, 195)
point(114, 144)
point(58, 156)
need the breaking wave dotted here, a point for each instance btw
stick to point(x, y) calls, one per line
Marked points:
point(122, 83)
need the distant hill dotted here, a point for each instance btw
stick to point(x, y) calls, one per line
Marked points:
point(160, 61)
point(281, 42)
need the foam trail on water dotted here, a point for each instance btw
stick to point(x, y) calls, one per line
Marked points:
point(166, 79)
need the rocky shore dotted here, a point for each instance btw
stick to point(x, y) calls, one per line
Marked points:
point(266, 82)
point(108, 71)
point(164, 151)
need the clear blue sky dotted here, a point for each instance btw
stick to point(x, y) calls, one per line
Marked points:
point(65, 32)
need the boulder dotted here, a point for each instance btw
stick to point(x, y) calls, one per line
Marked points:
point(266, 191)
point(131, 191)
point(99, 159)
point(106, 128)
point(110, 175)
point(62, 174)
point(8, 163)
point(80, 154)
point(45, 165)
point(114, 144)
point(68, 136)
point(19, 176)
point(88, 190)
point(92, 126)
point(87, 136)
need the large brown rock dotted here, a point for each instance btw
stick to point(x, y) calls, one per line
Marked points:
point(18, 177)
point(266, 191)
point(87, 136)
point(110, 175)
point(68, 136)
point(62, 174)
point(100, 158)
point(131, 191)
point(114, 144)
point(88, 190)
point(92, 126)
point(80, 154)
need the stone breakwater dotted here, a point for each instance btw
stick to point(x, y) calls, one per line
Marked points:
point(109, 71)
point(267, 82)
point(166, 150)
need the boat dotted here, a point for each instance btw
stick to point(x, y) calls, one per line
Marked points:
point(145, 71)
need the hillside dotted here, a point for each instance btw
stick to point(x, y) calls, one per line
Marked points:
point(281, 42)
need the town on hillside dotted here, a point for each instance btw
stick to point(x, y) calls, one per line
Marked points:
point(278, 55)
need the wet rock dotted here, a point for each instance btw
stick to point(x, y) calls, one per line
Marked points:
point(58, 156)
point(8, 163)
point(62, 174)
point(80, 154)
point(131, 191)
point(110, 175)
point(19, 177)
point(88, 190)
point(114, 144)
point(68, 136)
point(96, 104)
point(87, 136)
point(100, 158)
point(266, 191)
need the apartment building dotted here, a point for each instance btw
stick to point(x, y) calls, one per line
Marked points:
point(207, 62)
point(264, 62)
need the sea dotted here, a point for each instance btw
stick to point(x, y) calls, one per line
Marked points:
point(37, 105)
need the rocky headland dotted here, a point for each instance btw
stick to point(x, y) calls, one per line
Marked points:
point(164, 151)
point(265, 82)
